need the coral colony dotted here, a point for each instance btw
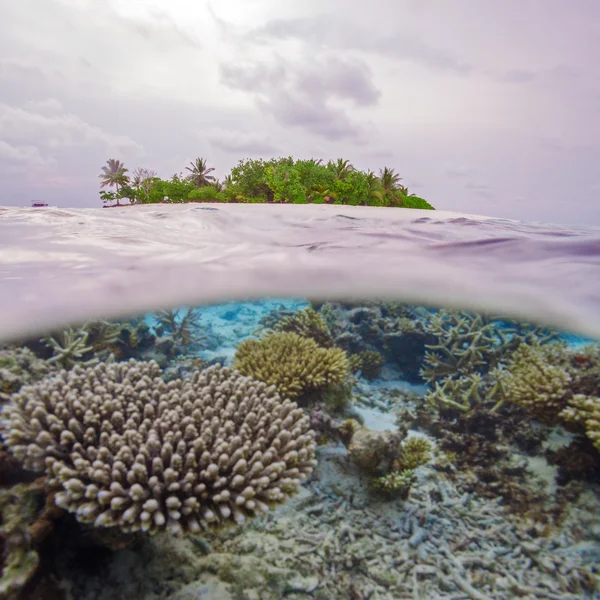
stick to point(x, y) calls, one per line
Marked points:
point(269, 449)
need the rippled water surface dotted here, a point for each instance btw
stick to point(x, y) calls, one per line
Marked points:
point(138, 258)
point(265, 402)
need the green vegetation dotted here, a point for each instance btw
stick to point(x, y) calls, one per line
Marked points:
point(280, 180)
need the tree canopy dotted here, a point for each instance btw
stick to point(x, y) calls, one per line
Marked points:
point(281, 180)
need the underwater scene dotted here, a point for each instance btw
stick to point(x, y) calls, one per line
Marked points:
point(301, 449)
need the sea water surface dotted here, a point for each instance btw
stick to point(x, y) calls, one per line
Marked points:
point(64, 265)
point(448, 360)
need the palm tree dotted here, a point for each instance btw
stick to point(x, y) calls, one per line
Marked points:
point(341, 168)
point(114, 174)
point(390, 180)
point(392, 188)
point(199, 173)
point(375, 192)
point(404, 191)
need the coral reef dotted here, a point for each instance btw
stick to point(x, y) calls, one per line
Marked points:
point(397, 482)
point(295, 365)
point(530, 380)
point(334, 543)
point(18, 366)
point(468, 343)
point(394, 330)
point(181, 327)
point(26, 519)
point(585, 411)
point(414, 453)
point(369, 363)
point(125, 449)
point(371, 451)
point(307, 323)
point(70, 348)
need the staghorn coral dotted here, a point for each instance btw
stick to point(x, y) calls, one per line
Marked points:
point(124, 449)
point(70, 348)
point(415, 452)
point(531, 379)
point(181, 329)
point(462, 394)
point(295, 365)
point(397, 483)
point(468, 342)
point(585, 411)
point(464, 342)
point(307, 323)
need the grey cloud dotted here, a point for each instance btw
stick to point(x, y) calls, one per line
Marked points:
point(60, 130)
point(312, 115)
point(242, 143)
point(304, 94)
point(51, 105)
point(336, 32)
point(23, 158)
point(162, 29)
point(252, 77)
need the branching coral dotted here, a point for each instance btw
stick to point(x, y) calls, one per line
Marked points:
point(415, 452)
point(125, 449)
point(182, 329)
point(70, 348)
point(465, 341)
point(398, 482)
point(462, 394)
point(294, 364)
point(468, 342)
point(531, 380)
point(585, 410)
point(370, 363)
point(307, 323)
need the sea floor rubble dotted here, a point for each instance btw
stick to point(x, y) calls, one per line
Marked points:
point(335, 541)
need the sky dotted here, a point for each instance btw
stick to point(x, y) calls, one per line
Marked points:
point(481, 106)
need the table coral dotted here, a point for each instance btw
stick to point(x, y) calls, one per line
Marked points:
point(292, 363)
point(123, 448)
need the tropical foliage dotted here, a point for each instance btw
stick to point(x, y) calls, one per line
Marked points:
point(281, 180)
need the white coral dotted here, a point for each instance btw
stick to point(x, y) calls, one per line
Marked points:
point(126, 449)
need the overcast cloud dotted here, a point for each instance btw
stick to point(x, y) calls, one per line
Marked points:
point(481, 106)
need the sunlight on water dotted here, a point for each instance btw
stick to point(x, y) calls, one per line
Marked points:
point(301, 449)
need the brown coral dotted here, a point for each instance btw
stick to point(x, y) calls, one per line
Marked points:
point(294, 364)
point(123, 448)
point(307, 323)
point(533, 381)
point(585, 410)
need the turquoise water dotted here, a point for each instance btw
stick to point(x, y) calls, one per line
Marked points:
point(434, 453)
